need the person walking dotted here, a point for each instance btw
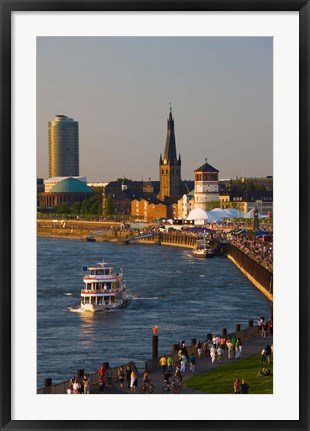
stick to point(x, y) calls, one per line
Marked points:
point(219, 354)
point(233, 342)
point(101, 385)
point(192, 362)
point(212, 354)
point(101, 372)
point(237, 350)
point(183, 363)
point(163, 364)
point(229, 348)
point(223, 344)
point(240, 347)
point(270, 325)
point(264, 328)
point(199, 349)
point(169, 364)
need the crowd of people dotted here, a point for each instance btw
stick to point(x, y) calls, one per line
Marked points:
point(77, 386)
point(215, 348)
point(261, 252)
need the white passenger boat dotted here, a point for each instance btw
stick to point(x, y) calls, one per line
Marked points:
point(103, 290)
point(203, 248)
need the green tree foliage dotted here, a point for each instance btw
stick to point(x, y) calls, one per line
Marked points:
point(63, 209)
point(108, 209)
point(91, 206)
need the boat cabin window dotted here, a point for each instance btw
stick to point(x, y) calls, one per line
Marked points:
point(85, 301)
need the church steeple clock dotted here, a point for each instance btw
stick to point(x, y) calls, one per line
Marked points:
point(170, 167)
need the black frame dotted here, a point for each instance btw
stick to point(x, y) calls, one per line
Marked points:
point(8, 6)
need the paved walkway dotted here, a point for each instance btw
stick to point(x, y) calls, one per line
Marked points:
point(249, 348)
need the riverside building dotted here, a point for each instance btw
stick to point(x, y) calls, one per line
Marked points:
point(206, 186)
point(63, 147)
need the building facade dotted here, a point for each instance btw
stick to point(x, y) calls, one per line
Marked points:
point(170, 167)
point(67, 192)
point(63, 147)
point(150, 210)
point(246, 201)
point(186, 205)
point(206, 186)
point(49, 183)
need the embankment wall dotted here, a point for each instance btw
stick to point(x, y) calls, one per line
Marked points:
point(257, 274)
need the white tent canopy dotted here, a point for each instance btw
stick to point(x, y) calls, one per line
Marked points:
point(201, 217)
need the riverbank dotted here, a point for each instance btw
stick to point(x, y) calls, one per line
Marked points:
point(252, 344)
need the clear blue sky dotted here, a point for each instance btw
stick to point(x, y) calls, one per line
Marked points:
point(119, 90)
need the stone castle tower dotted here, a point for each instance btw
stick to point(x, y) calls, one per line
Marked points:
point(170, 167)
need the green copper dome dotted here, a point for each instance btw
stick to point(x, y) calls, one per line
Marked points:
point(71, 185)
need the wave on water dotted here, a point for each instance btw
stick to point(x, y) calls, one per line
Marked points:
point(136, 298)
point(75, 310)
point(68, 294)
point(90, 313)
point(202, 275)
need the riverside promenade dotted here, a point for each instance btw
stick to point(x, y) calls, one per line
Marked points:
point(249, 348)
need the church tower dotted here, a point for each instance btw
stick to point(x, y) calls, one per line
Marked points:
point(170, 167)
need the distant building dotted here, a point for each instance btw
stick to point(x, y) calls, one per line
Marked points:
point(206, 186)
point(63, 147)
point(49, 183)
point(246, 201)
point(148, 210)
point(170, 167)
point(186, 205)
point(67, 191)
point(40, 185)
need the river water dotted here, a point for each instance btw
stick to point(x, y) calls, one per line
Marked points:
point(184, 296)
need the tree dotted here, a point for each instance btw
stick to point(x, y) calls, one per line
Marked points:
point(108, 207)
point(63, 208)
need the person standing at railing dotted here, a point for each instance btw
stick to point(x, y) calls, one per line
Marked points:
point(86, 384)
point(133, 381)
point(128, 373)
point(109, 377)
point(120, 373)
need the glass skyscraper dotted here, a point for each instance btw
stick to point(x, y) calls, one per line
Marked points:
point(63, 147)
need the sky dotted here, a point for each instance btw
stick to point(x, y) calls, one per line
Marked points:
point(119, 89)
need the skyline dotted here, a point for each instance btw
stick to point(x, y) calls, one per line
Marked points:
point(119, 89)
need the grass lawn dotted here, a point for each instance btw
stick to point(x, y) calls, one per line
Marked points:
point(221, 379)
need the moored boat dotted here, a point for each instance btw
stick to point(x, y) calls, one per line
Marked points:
point(203, 249)
point(103, 289)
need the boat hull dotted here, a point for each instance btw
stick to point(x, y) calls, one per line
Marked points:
point(203, 254)
point(96, 308)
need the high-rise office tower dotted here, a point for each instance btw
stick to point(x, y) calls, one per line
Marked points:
point(63, 147)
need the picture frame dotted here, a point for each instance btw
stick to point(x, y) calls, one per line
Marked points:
point(7, 8)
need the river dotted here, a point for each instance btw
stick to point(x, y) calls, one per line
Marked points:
point(184, 296)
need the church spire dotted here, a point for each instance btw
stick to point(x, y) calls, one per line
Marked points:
point(170, 153)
